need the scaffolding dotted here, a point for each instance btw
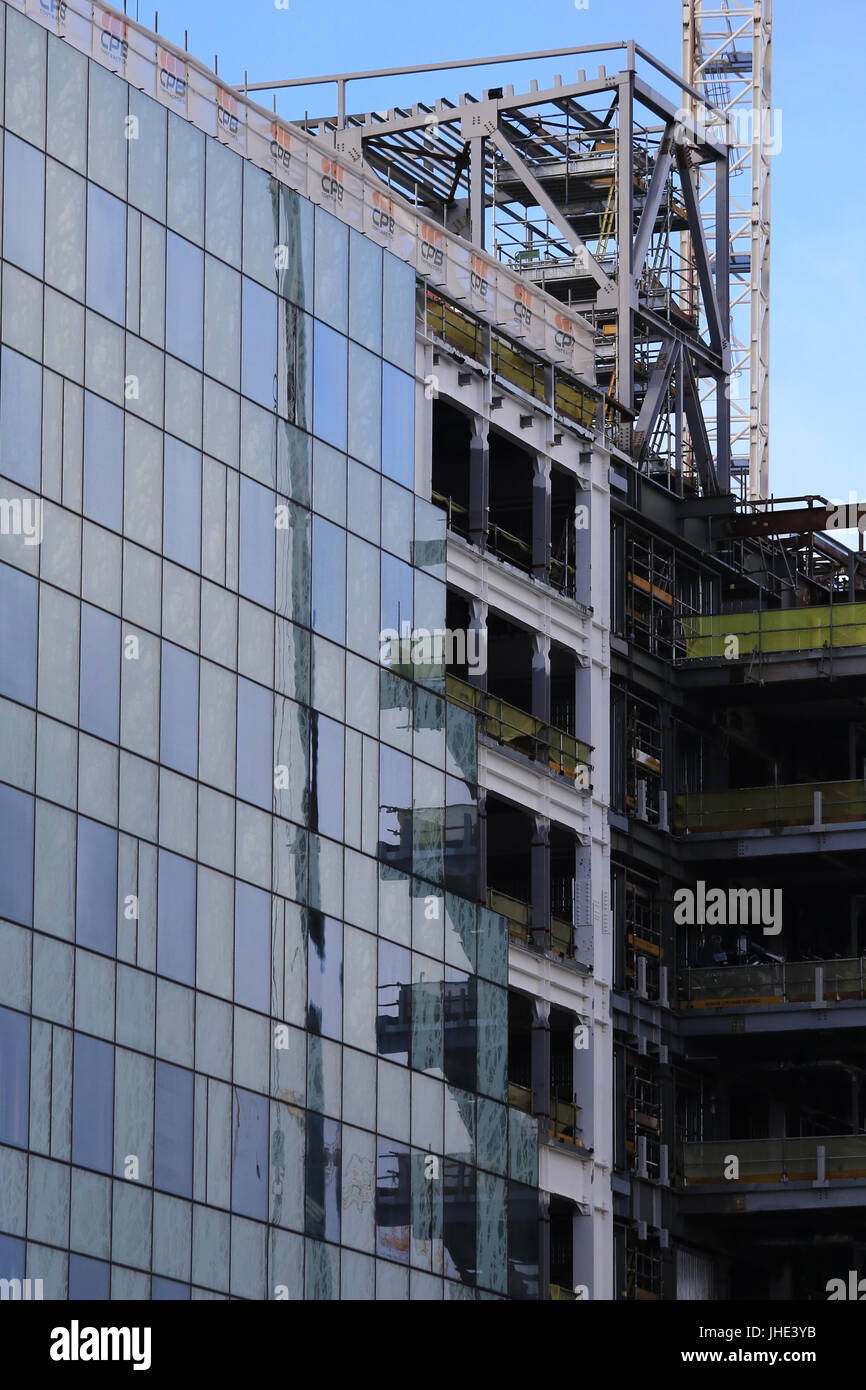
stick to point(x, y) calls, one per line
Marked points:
point(584, 186)
point(727, 55)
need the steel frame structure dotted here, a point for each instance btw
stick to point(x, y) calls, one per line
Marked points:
point(727, 54)
point(598, 177)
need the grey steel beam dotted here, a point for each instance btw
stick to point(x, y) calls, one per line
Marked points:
point(546, 202)
point(477, 184)
point(782, 1018)
point(661, 169)
point(700, 251)
point(773, 844)
point(698, 428)
point(632, 49)
point(652, 402)
point(723, 299)
point(624, 391)
point(790, 1196)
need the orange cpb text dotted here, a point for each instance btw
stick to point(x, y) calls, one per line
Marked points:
point(114, 25)
point(176, 66)
point(229, 103)
point(280, 136)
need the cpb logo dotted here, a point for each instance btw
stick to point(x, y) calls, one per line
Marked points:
point(564, 336)
point(55, 9)
point(431, 246)
point(280, 145)
point(478, 276)
point(522, 305)
point(113, 38)
point(172, 75)
point(227, 111)
point(332, 180)
point(382, 215)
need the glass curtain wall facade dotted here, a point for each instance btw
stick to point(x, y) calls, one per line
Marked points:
point(253, 1019)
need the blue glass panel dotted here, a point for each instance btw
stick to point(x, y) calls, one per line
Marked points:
point(11, 1258)
point(325, 976)
point(184, 270)
point(181, 526)
point(259, 343)
point(103, 462)
point(96, 891)
point(100, 672)
point(395, 807)
point(393, 1203)
point(20, 419)
point(14, 1078)
point(172, 1138)
point(398, 426)
point(178, 721)
point(92, 1103)
point(89, 1279)
point(255, 757)
point(176, 918)
point(329, 580)
point(250, 1154)
point(16, 855)
point(252, 947)
point(324, 1166)
point(394, 1006)
point(106, 253)
point(18, 600)
point(330, 386)
point(167, 1288)
point(23, 204)
point(327, 798)
point(398, 599)
point(257, 540)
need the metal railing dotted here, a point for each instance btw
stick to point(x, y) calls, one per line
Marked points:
point(519, 917)
point(520, 1097)
point(564, 1121)
point(573, 399)
point(515, 728)
point(457, 516)
point(818, 1158)
point(764, 631)
point(771, 808)
point(507, 546)
point(518, 914)
point(785, 982)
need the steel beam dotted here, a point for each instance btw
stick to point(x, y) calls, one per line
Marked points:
point(664, 160)
point(624, 391)
point(700, 250)
point(698, 429)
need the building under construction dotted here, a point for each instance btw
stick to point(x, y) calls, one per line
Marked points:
point(586, 1021)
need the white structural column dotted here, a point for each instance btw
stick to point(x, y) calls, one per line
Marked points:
point(727, 54)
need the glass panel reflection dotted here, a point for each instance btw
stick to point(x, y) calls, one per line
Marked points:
point(325, 976)
point(323, 1171)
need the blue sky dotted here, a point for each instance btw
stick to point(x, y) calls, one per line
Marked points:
point(817, 275)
